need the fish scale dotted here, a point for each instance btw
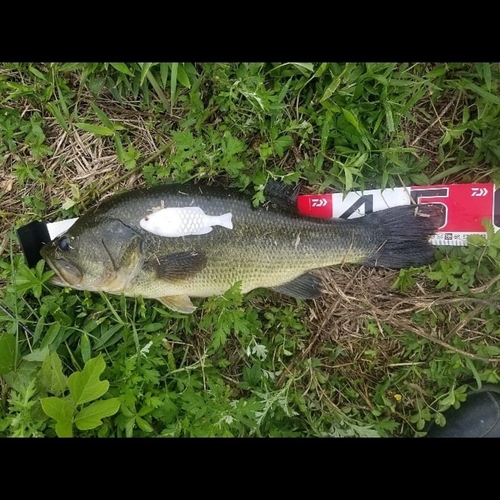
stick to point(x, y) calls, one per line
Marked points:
point(269, 246)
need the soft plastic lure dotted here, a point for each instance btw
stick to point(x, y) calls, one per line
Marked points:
point(183, 221)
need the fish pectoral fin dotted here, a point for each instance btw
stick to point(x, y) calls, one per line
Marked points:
point(306, 286)
point(177, 266)
point(178, 303)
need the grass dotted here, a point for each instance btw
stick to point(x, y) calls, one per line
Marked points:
point(381, 354)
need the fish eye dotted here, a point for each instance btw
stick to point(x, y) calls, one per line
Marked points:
point(63, 244)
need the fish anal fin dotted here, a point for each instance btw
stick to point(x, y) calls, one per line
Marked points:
point(178, 303)
point(306, 286)
point(177, 266)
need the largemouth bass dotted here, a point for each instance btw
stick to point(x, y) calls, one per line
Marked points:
point(270, 246)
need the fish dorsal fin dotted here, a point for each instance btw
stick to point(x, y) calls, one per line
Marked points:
point(282, 195)
point(306, 286)
point(178, 303)
point(177, 266)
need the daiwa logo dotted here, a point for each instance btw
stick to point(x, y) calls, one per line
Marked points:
point(479, 191)
point(319, 202)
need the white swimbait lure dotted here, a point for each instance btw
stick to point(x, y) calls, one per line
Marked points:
point(183, 221)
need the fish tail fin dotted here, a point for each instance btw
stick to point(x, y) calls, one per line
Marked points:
point(403, 235)
point(225, 220)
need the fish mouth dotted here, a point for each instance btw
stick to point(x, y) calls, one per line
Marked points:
point(66, 273)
